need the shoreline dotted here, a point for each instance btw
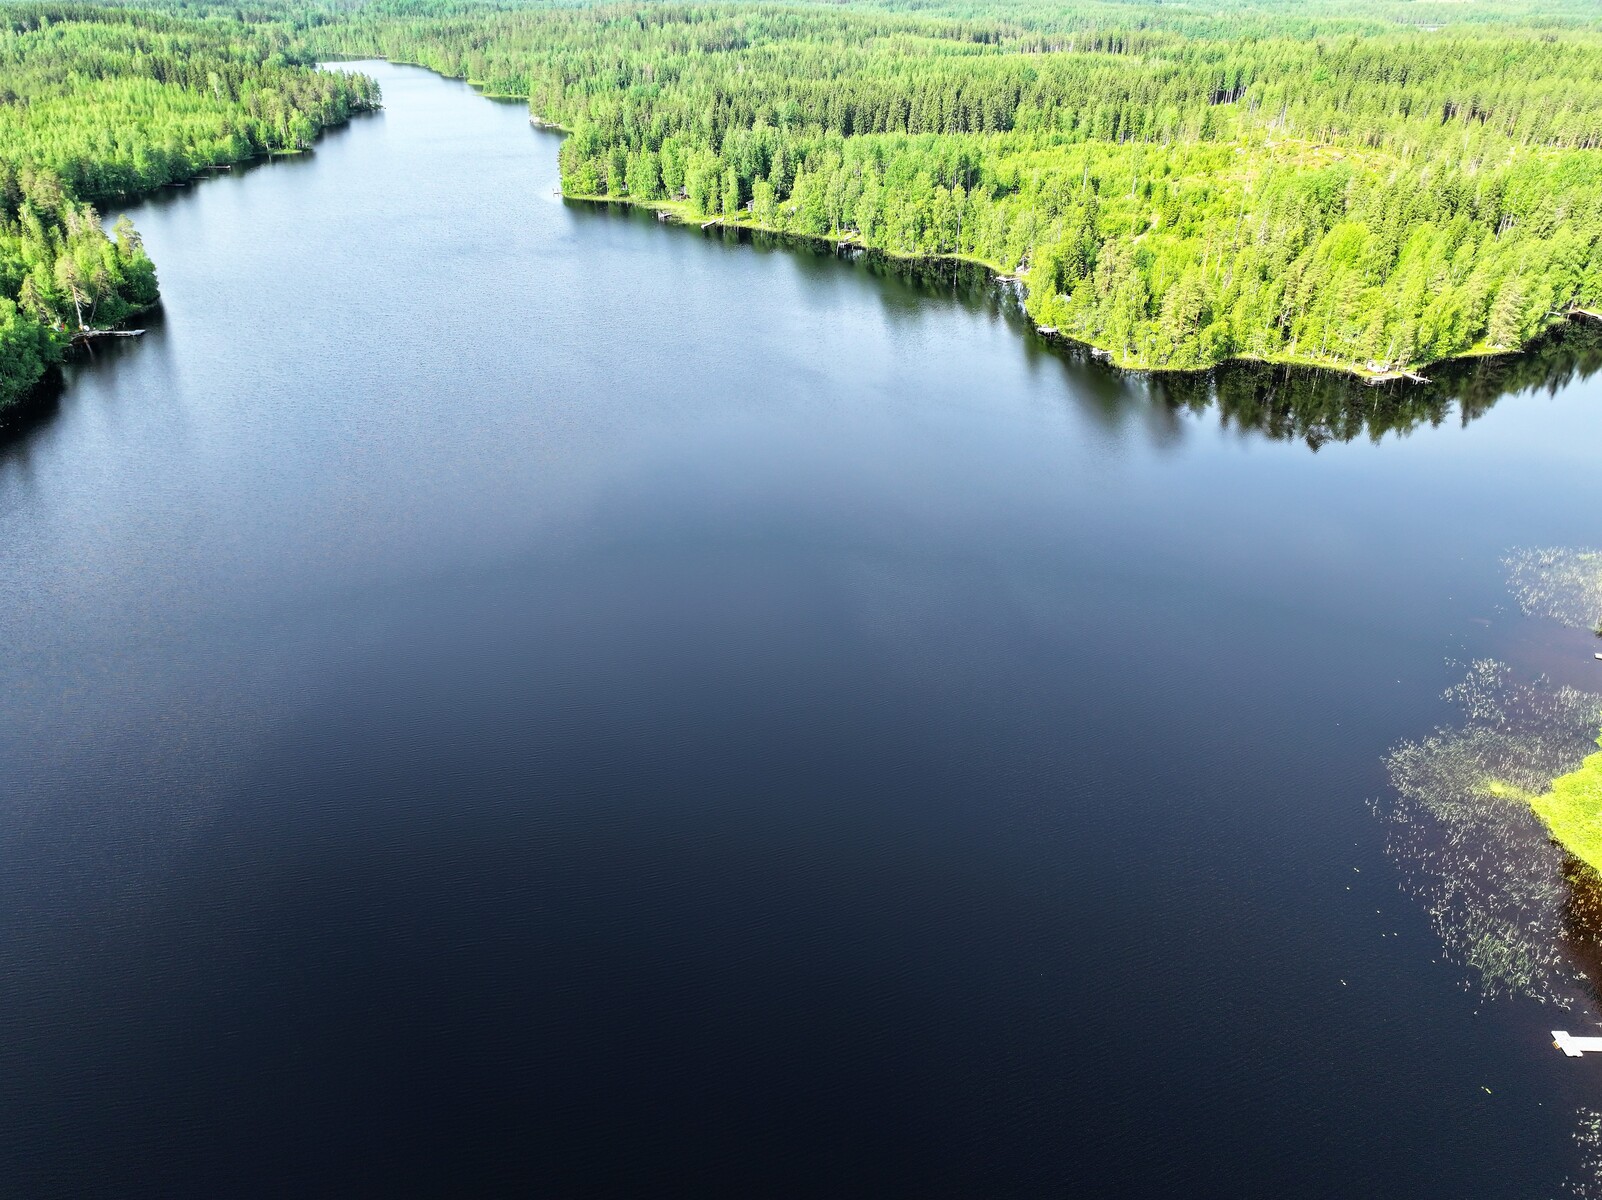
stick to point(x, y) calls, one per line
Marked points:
point(677, 212)
point(199, 173)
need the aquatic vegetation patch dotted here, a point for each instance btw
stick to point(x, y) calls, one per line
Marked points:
point(1470, 843)
point(1559, 584)
point(1587, 1184)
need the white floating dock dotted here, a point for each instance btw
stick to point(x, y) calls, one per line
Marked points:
point(1576, 1046)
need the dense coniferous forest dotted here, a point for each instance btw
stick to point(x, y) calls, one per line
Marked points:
point(1361, 185)
point(1366, 184)
point(100, 104)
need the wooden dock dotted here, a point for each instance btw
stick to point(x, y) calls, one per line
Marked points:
point(88, 335)
point(1574, 1047)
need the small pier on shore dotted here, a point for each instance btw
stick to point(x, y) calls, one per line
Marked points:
point(83, 336)
point(1573, 1046)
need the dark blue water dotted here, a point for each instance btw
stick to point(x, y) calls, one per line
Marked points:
point(506, 698)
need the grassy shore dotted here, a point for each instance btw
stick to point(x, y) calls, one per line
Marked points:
point(1571, 810)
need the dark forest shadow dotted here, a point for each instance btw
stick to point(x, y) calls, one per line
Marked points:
point(28, 416)
point(1582, 924)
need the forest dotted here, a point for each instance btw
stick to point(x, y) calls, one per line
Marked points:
point(1371, 185)
point(1368, 186)
point(101, 104)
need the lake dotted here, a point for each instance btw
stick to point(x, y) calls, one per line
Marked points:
point(503, 696)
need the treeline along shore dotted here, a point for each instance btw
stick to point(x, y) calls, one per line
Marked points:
point(1370, 185)
point(104, 104)
point(1376, 188)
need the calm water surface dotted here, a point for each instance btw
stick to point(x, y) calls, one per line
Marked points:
point(508, 698)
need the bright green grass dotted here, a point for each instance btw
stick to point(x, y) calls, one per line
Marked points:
point(1572, 810)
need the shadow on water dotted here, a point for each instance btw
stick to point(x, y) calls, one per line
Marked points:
point(18, 421)
point(1582, 924)
point(33, 413)
point(1318, 407)
point(1283, 403)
